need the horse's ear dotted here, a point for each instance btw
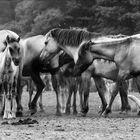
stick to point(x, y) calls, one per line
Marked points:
point(5, 43)
point(18, 39)
point(7, 39)
point(88, 44)
point(54, 32)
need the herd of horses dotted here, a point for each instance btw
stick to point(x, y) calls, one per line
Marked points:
point(72, 57)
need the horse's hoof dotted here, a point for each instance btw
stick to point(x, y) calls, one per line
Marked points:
point(100, 112)
point(75, 112)
point(81, 114)
point(58, 114)
point(106, 113)
point(85, 110)
point(33, 111)
point(19, 108)
point(123, 112)
point(5, 116)
point(67, 113)
point(126, 109)
point(10, 116)
point(41, 107)
point(13, 115)
point(19, 114)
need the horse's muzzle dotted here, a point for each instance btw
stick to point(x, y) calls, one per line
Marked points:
point(16, 61)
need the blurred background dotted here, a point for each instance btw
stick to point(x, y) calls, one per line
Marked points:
point(32, 17)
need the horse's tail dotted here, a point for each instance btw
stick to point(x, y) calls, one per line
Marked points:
point(134, 99)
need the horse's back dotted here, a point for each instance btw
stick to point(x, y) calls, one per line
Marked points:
point(35, 42)
point(31, 47)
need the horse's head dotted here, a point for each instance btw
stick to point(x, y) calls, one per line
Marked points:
point(85, 58)
point(14, 48)
point(51, 48)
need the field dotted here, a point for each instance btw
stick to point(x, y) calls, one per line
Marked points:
point(116, 126)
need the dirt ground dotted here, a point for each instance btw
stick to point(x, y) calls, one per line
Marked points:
point(116, 126)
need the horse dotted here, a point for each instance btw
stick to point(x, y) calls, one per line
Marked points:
point(68, 86)
point(9, 68)
point(86, 57)
point(68, 40)
point(31, 66)
point(10, 39)
point(106, 69)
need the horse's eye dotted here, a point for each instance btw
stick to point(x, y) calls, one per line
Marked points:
point(18, 50)
point(11, 50)
point(46, 42)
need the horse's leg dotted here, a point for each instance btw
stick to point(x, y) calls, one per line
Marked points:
point(40, 103)
point(63, 99)
point(101, 88)
point(81, 95)
point(113, 95)
point(5, 115)
point(55, 84)
point(31, 90)
point(74, 101)
point(86, 77)
point(14, 94)
point(137, 81)
point(40, 85)
point(124, 96)
point(14, 107)
point(1, 99)
point(7, 111)
point(68, 104)
point(18, 97)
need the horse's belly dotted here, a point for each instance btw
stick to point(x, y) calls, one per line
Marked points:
point(26, 70)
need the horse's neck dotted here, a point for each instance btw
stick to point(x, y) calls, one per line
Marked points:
point(73, 51)
point(5, 60)
point(23, 47)
point(8, 59)
point(105, 51)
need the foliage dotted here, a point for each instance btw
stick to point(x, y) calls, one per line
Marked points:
point(31, 17)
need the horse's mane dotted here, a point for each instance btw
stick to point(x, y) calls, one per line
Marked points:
point(72, 37)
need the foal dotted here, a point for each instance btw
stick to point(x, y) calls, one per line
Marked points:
point(68, 85)
point(9, 61)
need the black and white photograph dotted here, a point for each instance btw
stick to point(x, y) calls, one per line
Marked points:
point(69, 69)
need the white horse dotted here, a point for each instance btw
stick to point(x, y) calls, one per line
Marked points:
point(9, 61)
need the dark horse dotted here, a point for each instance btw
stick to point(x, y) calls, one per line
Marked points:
point(69, 40)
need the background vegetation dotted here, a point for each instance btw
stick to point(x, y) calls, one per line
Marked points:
point(31, 17)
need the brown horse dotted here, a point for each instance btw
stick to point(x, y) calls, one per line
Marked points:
point(69, 40)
